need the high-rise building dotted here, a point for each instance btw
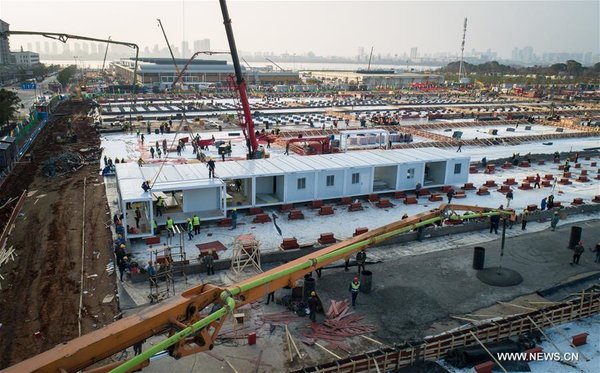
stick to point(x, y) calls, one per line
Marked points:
point(38, 46)
point(413, 53)
point(201, 45)
point(5, 56)
point(155, 50)
point(47, 47)
point(185, 49)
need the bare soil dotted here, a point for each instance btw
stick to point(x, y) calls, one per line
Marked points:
point(39, 302)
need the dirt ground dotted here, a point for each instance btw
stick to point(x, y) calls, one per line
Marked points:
point(39, 300)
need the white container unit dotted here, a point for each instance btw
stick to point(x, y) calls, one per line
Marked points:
point(268, 181)
point(330, 177)
point(300, 179)
point(186, 190)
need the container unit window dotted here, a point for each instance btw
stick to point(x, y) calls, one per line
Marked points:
point(330, 180)
point(355, 178)
point(457, 168)
point(301, 183)
point(410, 174)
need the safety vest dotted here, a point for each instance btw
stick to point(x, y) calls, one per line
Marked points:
point(196, 220)
point(190, 226)
point(170, 223)
point(160, 202)
point(355, 286)
point(154, 224)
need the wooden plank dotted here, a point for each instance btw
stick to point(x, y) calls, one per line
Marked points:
point(488, 352)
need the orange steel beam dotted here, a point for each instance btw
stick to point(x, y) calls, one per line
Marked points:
point(183, 310)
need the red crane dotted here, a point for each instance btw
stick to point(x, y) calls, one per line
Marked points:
point(239, 84)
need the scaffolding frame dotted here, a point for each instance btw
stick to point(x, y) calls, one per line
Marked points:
point(172, 261)
point(246, 253)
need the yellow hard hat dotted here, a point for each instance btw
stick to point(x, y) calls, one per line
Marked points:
point(124, 258)
point(122, 246)
point(312, 293)
point(234, 209)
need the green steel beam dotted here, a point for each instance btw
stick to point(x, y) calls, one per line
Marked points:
point(227, 295)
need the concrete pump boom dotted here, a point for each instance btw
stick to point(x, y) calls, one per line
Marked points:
point(190, 329)
point(65, 37)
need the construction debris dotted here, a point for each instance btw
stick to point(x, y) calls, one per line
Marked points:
point(341, 323)
point(63, 164)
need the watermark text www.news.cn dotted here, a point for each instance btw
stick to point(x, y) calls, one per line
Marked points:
point(538, 356)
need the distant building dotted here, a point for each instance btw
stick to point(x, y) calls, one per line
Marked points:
point(413, 53)
point(5, 56)
point(375, 79)
point(160, 72)
point(201, 45)
point(26, 58)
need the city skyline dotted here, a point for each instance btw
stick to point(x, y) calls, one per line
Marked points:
point(305, 27)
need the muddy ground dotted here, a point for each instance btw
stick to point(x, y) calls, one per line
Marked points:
point(39, 300)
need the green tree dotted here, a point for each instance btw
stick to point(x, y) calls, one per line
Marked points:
point(9, 105)
point(574, 67)
point(65, 75)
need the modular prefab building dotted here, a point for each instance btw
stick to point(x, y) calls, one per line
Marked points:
point(187, 190)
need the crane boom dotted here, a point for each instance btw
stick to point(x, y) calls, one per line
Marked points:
point(187, 64)
point(65, 37)
point(190, 330)
point(274, 63)
point(240, 81)
point(169, 46)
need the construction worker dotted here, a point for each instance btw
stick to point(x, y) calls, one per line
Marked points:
point(577, 251)
point(524, 218)
point(155, 226)
point(196, 224)
point(354, 288)
point(146, 185)
point(509, 198)
point(138, 217)
point(160, 204)
point(159, 152)
point(494, 223)
point(450, 195)
point(151, 273)
point(554, 221)
point(361, 258)
point(312, 306)
point(152, 152)
point(512, 219)
point(190, 229)
point(234, 216)
point(209, 262)
point(538, 178)
point(211, 167)
point(123, 265)
point(170, 227)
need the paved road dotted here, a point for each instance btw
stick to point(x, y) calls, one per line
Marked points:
point(411, 293)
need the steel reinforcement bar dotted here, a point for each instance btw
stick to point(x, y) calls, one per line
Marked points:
point(437, 347)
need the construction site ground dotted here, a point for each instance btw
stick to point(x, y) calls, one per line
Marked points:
point(40, 294)
point(415, 296)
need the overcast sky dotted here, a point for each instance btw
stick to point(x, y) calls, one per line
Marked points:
point(324, 27)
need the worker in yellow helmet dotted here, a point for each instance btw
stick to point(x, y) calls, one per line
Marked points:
point(312, 306)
